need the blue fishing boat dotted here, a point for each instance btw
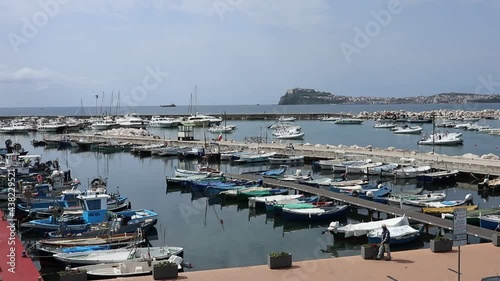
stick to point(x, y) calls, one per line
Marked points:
point(490, 222)
point(315, 214)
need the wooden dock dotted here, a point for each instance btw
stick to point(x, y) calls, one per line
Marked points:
point(477, 261)
point(312, 152)
point(370, 205)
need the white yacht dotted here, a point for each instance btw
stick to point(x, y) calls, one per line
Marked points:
point(15, 128)
point(201, 120)
point(132, 120)
point(163, 122)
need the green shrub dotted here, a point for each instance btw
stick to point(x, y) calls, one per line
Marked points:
point(278, 254)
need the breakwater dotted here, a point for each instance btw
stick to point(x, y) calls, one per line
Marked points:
point(468, 165)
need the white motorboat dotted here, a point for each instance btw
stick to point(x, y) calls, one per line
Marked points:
point(286, 119)
point(51, 127)
point(415, 130)
point(442, 139)
point(15, 128)
point(290, 135)
point(104, 124)
point(329, 118)
point(201, 120)
point(411, 172)
point(221, 129)
point(132, 120)
point(346, 121)
point(342, 167)
point(383, 169)
point(384, 125)
point(118, 255)
point(163, 122)
point(363, 228)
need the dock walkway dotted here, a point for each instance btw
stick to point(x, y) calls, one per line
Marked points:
point(423, 218)
point(477, 261)
point(13, 265)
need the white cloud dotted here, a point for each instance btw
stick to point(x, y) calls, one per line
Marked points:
point(42, 78)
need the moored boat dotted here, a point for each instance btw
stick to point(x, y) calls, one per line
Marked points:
point(315, 214)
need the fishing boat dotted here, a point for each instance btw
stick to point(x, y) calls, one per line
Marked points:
point(342, 167)
point(474, 215)
point(382, 169)
point(440, 177)
point(297, 204)
point(263, 200)
point(327, 164)
point(415, 200)
point(363, 228)
point(490, 222)
point(297, 176)
point(86, 241)
point(119, 255)
point(317, 182)
point(450, 203)
point(189, 173)
point(399, 235)
point(278, 159)
point(416, 130)
point(126, 268)
point(362, 169)
point(411, 172)
point(315, 214)
point(441, 210)
point(254, 157)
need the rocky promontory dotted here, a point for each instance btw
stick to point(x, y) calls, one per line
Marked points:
point(310, 96)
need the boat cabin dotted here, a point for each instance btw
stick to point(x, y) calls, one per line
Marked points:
point(94, 207)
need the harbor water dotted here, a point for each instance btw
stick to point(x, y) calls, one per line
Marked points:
point(219, 235)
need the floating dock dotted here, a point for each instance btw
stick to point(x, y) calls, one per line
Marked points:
point(370, 205)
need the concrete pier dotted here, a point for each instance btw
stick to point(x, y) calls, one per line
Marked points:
point(442, 162)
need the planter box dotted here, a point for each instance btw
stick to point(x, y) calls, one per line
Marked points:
point(495, 238)
point(74, 276)
point(165, 272)
point(438, 246)
point(279, 262)
point(369, 253)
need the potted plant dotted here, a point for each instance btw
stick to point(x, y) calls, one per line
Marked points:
point(165, 269)
point(495, 238)
point(73, 275)
point(441, 244)
point(279, 260)
point(369, 251)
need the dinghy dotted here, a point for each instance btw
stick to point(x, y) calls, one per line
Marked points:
point(384, 125)
point(411, 172)
point(363, 228)
point(125, 269)
point(446, 204)
point(408, 130)
point(418, 201)
point(119, 255)
point(262, 201)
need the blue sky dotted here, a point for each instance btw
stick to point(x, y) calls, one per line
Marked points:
point(241, 51)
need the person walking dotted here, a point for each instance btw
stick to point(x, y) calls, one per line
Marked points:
point(384, 245)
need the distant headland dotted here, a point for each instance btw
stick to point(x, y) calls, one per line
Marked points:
point(310, 96)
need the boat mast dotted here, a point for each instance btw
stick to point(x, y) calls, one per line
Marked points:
point(433, 132)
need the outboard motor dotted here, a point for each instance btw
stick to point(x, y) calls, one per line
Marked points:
point(369, 194)
point(469, 199)
point(332, 228)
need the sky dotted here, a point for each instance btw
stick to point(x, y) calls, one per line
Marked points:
point(64, 52)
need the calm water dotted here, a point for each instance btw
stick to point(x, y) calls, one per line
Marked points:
point(216, 235)
point(243, 109)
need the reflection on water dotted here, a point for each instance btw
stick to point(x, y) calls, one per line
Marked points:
point(217, 233)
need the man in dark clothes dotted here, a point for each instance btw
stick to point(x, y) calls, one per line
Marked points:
point(384, 245)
